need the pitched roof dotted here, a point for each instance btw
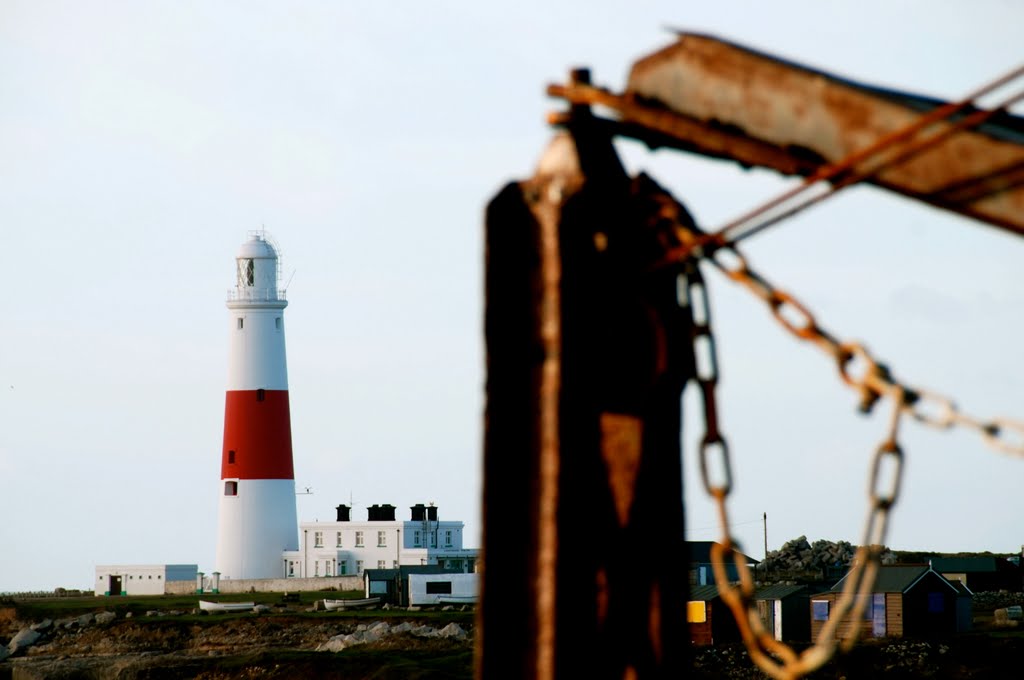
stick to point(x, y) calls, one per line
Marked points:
point(779, 592)
point(700, 553)
point(897, 578)
point(703, 593)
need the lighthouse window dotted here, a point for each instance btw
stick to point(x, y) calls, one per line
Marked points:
point(277, 323)
point(246, 273)
point(230, 488)
point(231, 456)
point(259, 395)
point(240, 323)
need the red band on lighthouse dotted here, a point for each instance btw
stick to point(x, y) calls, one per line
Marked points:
point(257, 436)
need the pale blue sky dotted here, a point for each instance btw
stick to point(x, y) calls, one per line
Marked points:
point(140, 142)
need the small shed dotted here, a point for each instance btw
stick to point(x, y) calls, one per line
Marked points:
point(701, 571)
point(783, 611)
point(444, 588)
point(980, 572)
point(905, 601)
point(140, 579)
point(710, 620)
point(392, 585)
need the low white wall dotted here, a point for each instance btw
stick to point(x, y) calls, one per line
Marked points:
point(270, 585)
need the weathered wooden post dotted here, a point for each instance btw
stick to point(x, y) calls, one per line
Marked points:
point(585, 571)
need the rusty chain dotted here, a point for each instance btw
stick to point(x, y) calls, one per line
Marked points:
point(872, 381)
point(858, 368)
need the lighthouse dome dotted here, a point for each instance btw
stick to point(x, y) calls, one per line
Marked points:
point(257, 247)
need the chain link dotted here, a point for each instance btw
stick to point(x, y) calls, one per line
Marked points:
point(776, 658)
point(873, 381)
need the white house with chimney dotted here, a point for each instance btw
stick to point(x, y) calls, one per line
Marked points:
point(346, 547)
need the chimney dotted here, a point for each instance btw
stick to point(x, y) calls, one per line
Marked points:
point(343, 511)
point(419, 512)
point(432, 513)
point(387, 513)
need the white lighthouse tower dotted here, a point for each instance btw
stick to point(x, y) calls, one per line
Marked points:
point(257, 490)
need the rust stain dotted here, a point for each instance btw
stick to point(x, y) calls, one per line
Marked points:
point(621, 437)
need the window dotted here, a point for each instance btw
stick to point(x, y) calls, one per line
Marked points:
point(316, 567)
point(241, 322)
point(868, 613)
point(359, 566)
point(246, 272)
point(277, 323)
point(382, 564)
point(819, 610)
point(231, 457)
point(416, 539)
point(327, 568)
point(433, 540)
point(260, 395)
point(230, 488)
point(936, 603)
point(448, 538)
point(382, 539)
point(439, 587)
point(359, 540)
point(339, 539)
point(318, 539)
point(696, 611)
point(291, 568)
point(394, 564)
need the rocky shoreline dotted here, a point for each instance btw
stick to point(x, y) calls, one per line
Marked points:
point(397, 644)
point(171, 645)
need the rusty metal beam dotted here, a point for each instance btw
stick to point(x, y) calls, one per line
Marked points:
point(587, 355)
point(723, 100)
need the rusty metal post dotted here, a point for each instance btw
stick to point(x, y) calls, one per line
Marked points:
point(584, 567)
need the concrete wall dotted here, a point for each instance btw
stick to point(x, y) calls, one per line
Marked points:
point(271, 585)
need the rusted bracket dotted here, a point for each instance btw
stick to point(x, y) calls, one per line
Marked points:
point(722, 100)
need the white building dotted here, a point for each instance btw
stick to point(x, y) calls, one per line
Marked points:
point(140, 579)
point(345, 547)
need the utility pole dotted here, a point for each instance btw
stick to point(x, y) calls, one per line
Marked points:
point(766, 535)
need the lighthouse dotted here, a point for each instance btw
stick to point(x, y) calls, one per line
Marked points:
point(257, 517)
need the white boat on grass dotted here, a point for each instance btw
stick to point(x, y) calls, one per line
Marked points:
point(351, 603)
point(220, 607)
point(456, 599)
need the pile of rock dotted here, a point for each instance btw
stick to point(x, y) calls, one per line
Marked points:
point(799, 555)
point(375, 632)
